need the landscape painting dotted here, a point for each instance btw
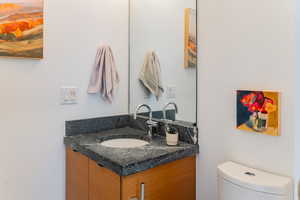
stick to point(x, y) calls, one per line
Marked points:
point(190, 46)
point(21, 28)
point(258, 111)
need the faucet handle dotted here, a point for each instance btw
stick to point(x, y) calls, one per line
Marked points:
point(151, 124)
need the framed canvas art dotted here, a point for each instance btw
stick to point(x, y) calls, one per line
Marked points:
point(258, 111)
point(21, 28)
point(190, 46)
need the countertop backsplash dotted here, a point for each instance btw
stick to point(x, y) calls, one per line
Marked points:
point(96, 125)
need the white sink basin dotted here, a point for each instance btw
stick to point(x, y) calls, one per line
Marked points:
point(124, 143)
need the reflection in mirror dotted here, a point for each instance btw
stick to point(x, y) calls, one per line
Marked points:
point(163, 60)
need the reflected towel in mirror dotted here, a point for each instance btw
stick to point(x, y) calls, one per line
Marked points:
point(104, 78)
point(150, 75)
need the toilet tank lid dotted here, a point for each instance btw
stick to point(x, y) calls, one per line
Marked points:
point(255, 179)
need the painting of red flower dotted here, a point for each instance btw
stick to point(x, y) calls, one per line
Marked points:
point(258, 111)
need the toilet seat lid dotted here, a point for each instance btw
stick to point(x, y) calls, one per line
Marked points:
point(255, 179)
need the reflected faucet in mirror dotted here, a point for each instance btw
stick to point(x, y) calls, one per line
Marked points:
point(150, 123)
point(165, 108)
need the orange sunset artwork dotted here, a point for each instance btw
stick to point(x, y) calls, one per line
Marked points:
point(21, 28)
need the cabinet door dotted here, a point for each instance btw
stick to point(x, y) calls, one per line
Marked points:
point(77, 175)
point(172, 181)
point(103, 183)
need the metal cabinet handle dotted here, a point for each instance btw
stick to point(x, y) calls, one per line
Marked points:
point(100, 165)
point(142, 195)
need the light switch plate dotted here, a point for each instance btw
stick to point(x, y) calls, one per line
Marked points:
point(171, 92)
point(69, 95)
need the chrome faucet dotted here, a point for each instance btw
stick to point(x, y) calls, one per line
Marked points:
point(166, 106)
point(150, 123)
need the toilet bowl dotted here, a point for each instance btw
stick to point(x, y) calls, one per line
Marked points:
point(237, 182)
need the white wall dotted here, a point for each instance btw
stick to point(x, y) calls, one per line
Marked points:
point(159, 26)
point(297, 138)
point(31, 119)
point(244, 45)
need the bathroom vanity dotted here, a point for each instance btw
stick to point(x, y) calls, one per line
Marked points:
point(163, 93)
point(154, 171)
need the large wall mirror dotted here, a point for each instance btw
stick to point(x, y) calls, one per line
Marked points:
point(163, 51)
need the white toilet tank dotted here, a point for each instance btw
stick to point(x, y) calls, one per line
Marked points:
point(237, 182)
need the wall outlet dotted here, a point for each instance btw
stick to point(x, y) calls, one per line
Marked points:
point(171, 92)
point(69, 95)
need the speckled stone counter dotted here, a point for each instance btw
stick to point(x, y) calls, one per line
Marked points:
point(131, 160)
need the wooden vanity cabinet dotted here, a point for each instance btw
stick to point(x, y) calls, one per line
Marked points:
point(86, 180)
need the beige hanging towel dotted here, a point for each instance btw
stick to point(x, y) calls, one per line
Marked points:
point(104, 78)
point(150, 75)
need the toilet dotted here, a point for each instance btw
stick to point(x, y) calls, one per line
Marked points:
point(237, 182)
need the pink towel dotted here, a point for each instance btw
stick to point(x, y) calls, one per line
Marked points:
point(104, 77)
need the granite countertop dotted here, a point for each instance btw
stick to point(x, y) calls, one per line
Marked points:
point(127, 161)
